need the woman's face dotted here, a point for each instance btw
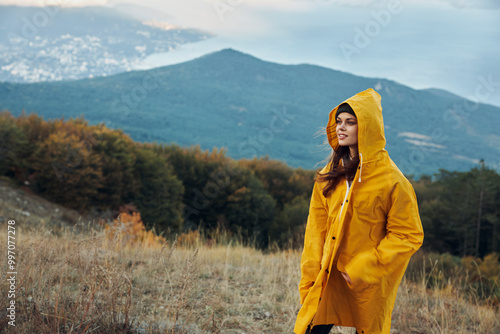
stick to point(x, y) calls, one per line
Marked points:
point(347, 129)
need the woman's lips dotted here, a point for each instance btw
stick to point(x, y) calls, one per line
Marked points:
point(342, 136)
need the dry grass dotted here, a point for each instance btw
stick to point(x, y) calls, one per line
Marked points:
point(83, 282)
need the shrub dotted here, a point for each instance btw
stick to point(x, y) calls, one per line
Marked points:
point(130, 230)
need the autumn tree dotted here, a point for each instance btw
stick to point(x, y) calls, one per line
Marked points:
point(67, 170)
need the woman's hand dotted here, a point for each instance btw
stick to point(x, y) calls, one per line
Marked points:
point(346, 277)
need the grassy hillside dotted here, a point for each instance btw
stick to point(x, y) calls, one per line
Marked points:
point(253, 107)
point(78, 282)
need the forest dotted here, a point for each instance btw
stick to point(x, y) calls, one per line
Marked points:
point(92, 168)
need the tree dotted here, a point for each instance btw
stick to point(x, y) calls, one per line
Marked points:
point(159, 191)
point(13, 146)
point(250, 211)
point(118, 159)
point(67, 171)
point(459, 211)
point(288, 228)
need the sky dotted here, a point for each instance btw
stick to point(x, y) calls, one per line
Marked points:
point(447, 44)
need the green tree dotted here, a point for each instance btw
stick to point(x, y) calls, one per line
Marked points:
point(288, 229)
point(250, 212)
point(13, 144)
point(116, 151)
point(281, 181)
point(159, 191)
point(459, 211)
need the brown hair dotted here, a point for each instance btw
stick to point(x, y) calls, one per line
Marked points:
point(337, 172)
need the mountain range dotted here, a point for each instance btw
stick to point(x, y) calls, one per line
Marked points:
point(255, 108)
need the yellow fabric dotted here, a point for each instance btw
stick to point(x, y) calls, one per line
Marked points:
point(369, 232)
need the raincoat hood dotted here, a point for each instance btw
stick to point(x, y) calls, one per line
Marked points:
point(371, 136)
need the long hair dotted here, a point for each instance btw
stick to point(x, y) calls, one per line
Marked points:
point(337, 172)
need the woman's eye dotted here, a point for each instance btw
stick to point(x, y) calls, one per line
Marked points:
point(351, 123)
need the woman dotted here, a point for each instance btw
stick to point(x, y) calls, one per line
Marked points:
point(362, 229)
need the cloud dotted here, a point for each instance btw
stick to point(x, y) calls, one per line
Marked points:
point(65, 3)
point(281, 5)
point(480, 4)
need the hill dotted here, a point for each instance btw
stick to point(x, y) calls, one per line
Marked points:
point(254, 107)
point(36, 212)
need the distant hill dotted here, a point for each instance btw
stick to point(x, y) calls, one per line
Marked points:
point(60, 43)
point(234, 100)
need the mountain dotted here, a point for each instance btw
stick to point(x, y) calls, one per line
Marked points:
point(60, 43)
point(254, 107)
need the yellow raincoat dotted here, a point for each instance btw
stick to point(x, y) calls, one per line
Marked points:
point(368, 231)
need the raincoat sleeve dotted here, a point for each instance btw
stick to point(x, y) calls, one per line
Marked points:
point(314, 239)
point(404, 236)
